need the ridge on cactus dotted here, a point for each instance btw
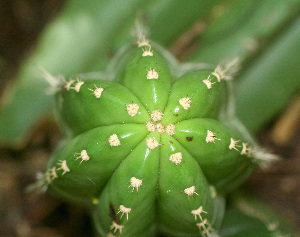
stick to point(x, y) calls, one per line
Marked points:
point(152, 146)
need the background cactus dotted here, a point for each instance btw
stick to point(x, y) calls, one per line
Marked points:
point(150, 150)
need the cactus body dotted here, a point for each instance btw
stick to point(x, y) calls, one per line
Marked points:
point(148, 152)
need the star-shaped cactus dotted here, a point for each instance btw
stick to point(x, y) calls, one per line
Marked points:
point(151, 150)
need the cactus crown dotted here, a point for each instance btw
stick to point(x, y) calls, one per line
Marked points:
point(148, 151)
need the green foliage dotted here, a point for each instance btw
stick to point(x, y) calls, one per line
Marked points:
point(248, 216)
point(242, 28)
point(267, 85)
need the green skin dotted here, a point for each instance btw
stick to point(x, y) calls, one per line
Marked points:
point(168, 192)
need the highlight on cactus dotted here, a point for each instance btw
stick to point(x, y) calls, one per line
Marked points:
point(152, 147)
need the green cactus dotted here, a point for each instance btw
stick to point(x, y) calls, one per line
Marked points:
point(151, 147)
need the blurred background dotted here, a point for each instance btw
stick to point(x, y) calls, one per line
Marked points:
point(260, 32)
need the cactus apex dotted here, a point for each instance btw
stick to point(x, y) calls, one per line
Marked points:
point(150, 126)
point(160, 128)
point(156, 115)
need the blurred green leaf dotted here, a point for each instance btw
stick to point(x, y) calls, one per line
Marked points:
point(267, 86)
point(237, 224)
point(248, 216)
point(241, 28)
point(170, 18)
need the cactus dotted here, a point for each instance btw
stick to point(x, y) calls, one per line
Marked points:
point(152, 147)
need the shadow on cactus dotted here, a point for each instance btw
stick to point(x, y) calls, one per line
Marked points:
point(152, 145)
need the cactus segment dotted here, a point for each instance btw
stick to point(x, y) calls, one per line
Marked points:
point(89, 175)
point(142, 164)
point(91, 107)
point(149, 78)
point(182, 189)
point(212, 148)
point(203, 102)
